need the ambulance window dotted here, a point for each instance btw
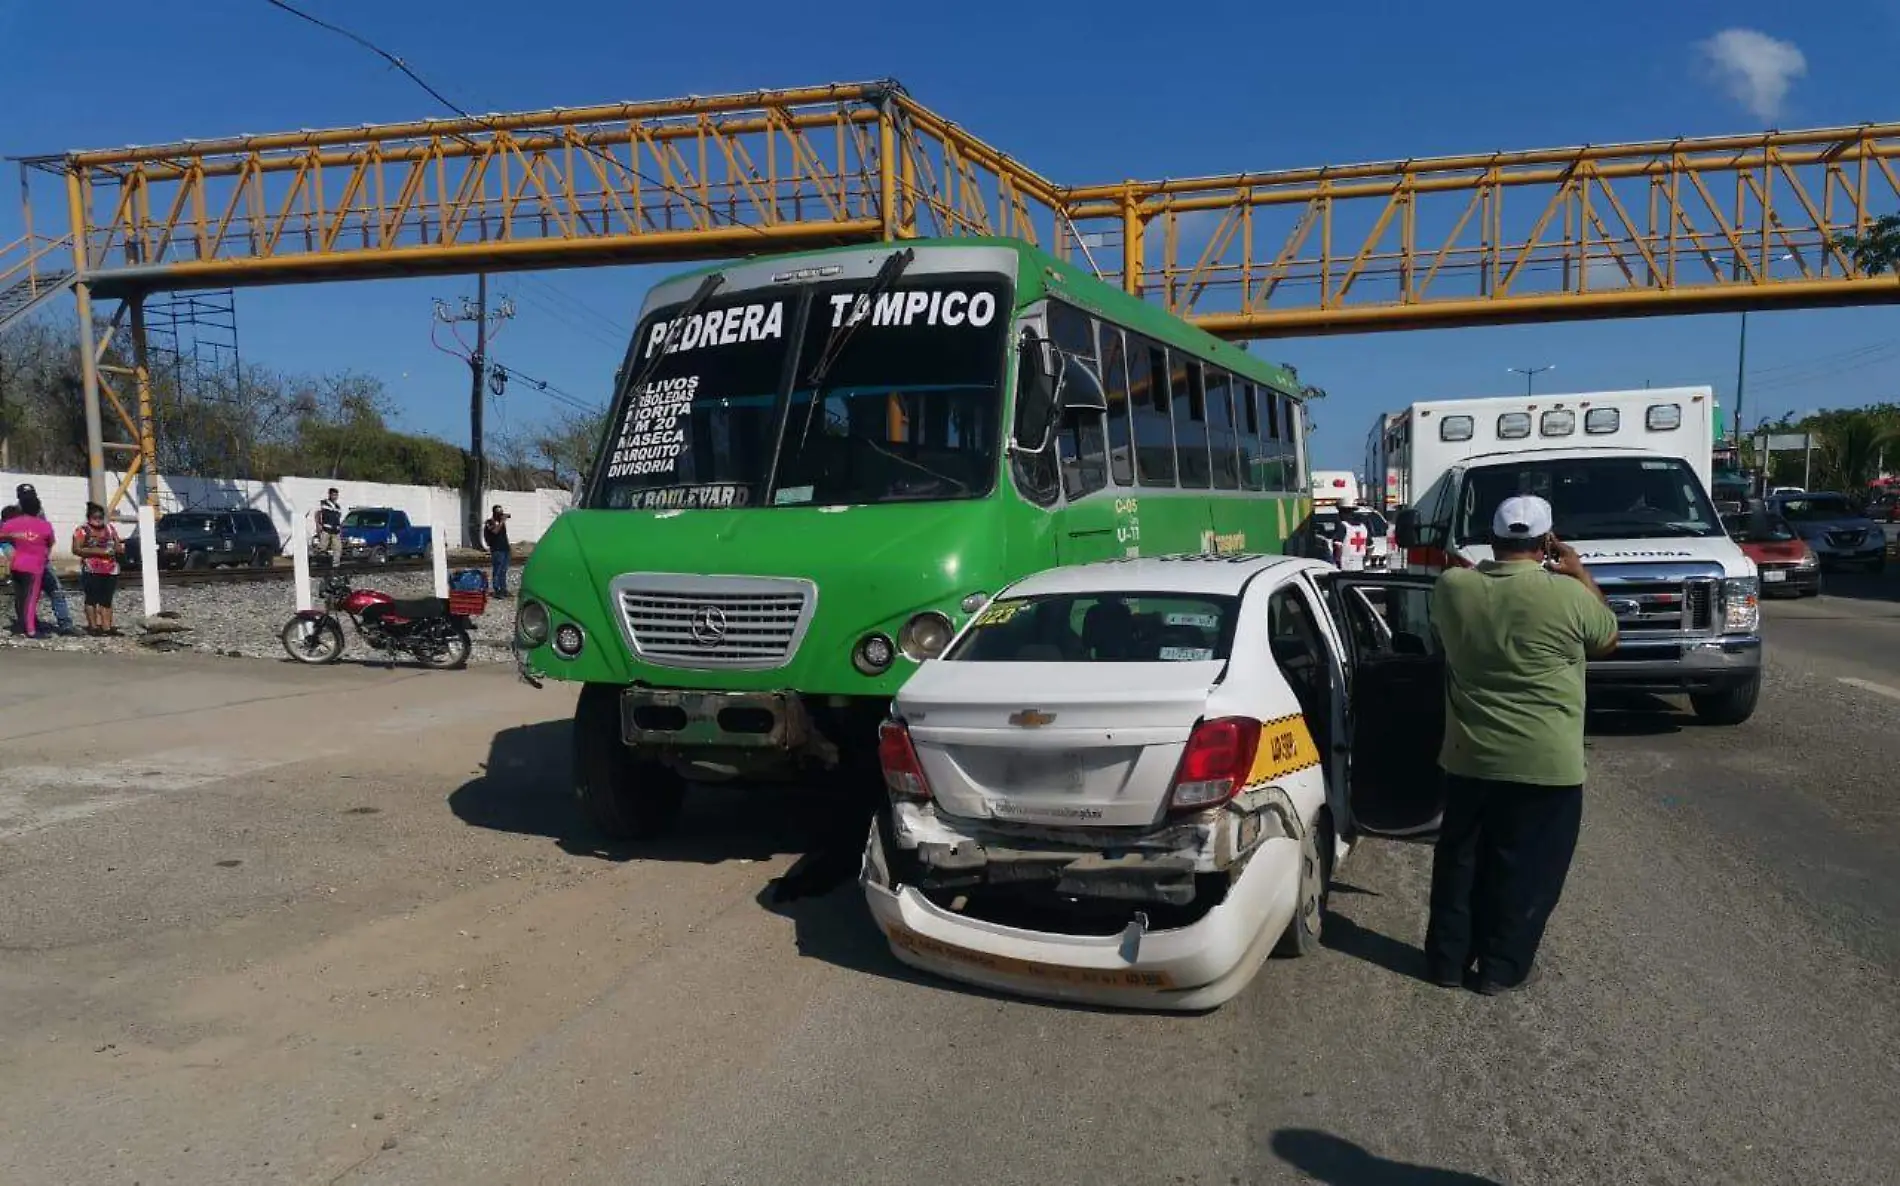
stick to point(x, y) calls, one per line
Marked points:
point(1598, 421)
point(1558, 422)
point(1454, 428)
point(1514, 426)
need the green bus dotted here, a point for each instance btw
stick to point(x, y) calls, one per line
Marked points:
point(819, 465)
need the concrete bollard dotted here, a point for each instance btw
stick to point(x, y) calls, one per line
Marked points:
point(300, 557)
point(441, 545)
point(148, 559)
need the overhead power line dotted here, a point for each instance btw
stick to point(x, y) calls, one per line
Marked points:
point(458, 109)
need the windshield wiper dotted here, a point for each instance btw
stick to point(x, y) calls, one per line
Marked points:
point(887, 274)
point(675, 327)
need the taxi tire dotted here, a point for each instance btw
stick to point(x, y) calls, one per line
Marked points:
point(1730, 707)
point(621, 796)
point(1303, 932)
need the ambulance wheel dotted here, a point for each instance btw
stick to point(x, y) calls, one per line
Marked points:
point(1302, 935)
point(1730, 707)
point(623, 797)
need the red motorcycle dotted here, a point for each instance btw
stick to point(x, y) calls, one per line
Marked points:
point(431, 630)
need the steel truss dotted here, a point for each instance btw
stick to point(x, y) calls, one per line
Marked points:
point(1674, 226)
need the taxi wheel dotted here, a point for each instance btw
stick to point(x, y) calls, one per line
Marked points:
point(1309, 913)
point(622, 797)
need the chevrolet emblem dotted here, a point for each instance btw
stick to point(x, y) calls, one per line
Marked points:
point(1031, 718)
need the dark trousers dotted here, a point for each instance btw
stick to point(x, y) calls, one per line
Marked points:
point(1504, 849)
point(498, 559)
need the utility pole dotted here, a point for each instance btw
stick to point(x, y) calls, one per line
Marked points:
point(477, 311)
point(477, 363)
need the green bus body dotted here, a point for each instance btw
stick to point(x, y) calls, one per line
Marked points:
point(895, 496)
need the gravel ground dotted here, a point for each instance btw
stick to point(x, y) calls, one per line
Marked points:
point(241, 619)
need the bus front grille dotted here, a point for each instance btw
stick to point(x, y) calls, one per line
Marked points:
point(674, 620)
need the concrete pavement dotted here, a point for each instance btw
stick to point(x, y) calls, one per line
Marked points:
point(260, 923)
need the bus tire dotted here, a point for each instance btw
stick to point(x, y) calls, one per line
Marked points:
point(1730, 707)
point(622, 797)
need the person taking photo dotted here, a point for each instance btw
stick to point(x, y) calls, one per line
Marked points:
point(1517, 631)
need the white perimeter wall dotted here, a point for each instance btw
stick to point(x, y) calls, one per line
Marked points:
point(529, 511)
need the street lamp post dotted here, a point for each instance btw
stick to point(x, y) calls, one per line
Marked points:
point(1530, 373)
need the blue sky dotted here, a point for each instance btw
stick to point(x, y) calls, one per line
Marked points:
point(1095, 93)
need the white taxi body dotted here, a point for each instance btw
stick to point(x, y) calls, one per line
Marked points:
point(1126, 783)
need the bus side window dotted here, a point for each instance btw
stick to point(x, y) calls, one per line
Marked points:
point(1149, 399)
point(1190, 422)
point(1121, 461)
point(1247, 410)
point(1223, 442)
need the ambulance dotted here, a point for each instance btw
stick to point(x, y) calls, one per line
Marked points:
point(1334, 487)
point(1627, 474)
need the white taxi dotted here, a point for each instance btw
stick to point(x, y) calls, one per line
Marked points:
point(1126, 783)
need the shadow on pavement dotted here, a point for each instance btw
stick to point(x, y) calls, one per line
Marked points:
point(1862, 586)
point(1327, 1158)
point(527, 788)
point(1340, 933)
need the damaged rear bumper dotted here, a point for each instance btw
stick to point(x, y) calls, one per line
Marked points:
point(1188, 968)
point(1253, 844)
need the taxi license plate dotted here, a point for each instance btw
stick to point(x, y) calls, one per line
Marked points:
point(1774, 575)
point(922, 945)
point(1060, 770)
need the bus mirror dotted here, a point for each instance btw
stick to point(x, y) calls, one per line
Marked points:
point(1407, 526)
point(1038, 377)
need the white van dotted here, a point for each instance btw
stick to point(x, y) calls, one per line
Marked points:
point(1626, 474)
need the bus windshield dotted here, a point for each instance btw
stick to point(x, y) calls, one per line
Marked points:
point(1593, 498)
point(910, 408)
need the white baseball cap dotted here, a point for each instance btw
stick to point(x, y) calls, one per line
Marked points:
point(1523, 517)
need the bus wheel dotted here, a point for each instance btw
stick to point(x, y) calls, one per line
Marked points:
point(621, 796)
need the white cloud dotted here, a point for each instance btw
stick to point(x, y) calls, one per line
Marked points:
point(1755, 69)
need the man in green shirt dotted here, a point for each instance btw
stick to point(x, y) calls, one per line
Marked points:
point(1516, 634)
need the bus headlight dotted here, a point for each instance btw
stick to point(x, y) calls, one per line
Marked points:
point(531, 623)
point(873, 655)
point(925, 636)
point(568, 640)
point(1741, 602)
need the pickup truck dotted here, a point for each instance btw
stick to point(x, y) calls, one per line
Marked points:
point(376, 535)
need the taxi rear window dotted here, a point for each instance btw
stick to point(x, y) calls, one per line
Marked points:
point(1100, 628)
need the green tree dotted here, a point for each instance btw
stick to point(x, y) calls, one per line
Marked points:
point(1878, 249)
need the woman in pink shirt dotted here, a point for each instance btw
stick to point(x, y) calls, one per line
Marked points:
point(32, 539)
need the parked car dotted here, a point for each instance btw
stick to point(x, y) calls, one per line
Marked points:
point(209, 538)
point(376, 535)
point(1838, 531)
point(1127, 782)
point(1788, 565)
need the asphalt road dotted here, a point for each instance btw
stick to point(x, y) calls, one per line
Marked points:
point(266, 924)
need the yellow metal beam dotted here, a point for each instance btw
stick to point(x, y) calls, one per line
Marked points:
point(1586, 231)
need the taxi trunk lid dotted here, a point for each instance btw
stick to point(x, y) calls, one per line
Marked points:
point(1065, 744)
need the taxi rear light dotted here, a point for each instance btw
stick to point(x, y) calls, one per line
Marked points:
point(1215, 763)
point(903, 773)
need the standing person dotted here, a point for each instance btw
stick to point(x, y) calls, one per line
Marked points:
point(495, 539)
point(62, 613)
point(1353, 540)
point(32, 539)
point(329, 524)
point(1516, 635)
point(97, 544)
